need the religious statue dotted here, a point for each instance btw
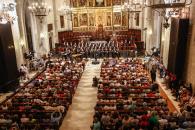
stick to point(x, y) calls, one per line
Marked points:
point(117, 18)
point(83, 20)
point(75, 21)
point(74, 3)
point(124, 19)
point(90, 3)
point(108, 2)
point(82, 2)
point(91, 20)
point(108, 20)
point(99, 19)
point(100, 31)
point(99, 2)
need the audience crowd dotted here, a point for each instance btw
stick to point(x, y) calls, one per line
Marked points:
point(128, 96)
point(42, 104)
point(128, 100)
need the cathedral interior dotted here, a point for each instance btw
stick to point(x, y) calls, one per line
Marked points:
point(97, 64)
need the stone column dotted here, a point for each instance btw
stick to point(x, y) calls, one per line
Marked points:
point(165, 41)
point(149, 25)
point(19, 43)
point(20, 8)
point(56, 40)
point(68, 17)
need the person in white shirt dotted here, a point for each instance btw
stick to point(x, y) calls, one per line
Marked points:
point(26, 72)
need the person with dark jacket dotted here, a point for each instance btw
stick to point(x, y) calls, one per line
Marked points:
point(95, 82)
point(153, 75)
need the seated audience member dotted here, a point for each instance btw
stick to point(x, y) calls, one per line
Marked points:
point(55, 117)
point(24, 119)
point(125, 122)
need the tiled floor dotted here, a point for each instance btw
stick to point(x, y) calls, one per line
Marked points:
point(80, 113)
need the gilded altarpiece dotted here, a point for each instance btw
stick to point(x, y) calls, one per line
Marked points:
point(88, 15)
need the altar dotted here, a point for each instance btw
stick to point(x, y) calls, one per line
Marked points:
point(98, 12)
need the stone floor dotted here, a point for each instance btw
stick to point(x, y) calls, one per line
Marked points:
point(173, 105)
point(80, 113)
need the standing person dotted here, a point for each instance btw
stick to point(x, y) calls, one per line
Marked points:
point(153, 75)
point(22, 72)
point(55, 117)
point(167, 79)
point(95, 81)
point(48, 62)
point(26, 72)
point(135, 49)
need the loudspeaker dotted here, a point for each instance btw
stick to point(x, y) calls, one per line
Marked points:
point(178, 46)
point(8, 66)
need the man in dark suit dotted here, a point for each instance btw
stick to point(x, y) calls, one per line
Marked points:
point(153, 75)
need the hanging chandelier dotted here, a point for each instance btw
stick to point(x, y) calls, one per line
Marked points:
point(169, 8)
point(99, 2)
point(132, 6)
point(7, 13)
point(167, 3)
point(65, 9)
point(40, 9)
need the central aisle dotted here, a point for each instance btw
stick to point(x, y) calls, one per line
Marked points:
point(80, 113)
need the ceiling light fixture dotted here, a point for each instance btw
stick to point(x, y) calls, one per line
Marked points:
point(40, 9)
point(168, 8)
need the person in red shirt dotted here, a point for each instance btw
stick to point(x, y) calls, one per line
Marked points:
point(151, 94)
point(118, 94)
point(106, 91)
point(144, 123)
